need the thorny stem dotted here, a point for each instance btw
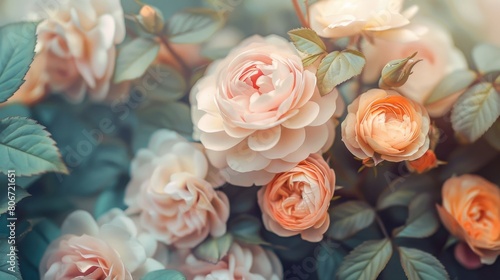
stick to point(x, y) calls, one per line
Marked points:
point(299, 13)
point(185, 68)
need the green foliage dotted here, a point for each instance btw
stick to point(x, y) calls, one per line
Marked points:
point(349, 218)
point(134, 58)
point(309, 43)
point(476, 111)
point(26, 147)
point(338, 67)
point(194, 25)
point(328, 261)
point(493, 135)
point(108, 200)
point(17, 45)
point(419, 265)
point(247, 228)
point(6, 272)
point(401, 191)
point(366, 261)
point(451, 84)
point(486, 58)
point(213, 249)
point(163, 275)
point(171, 85)
point(19, 194)
point(422, 220)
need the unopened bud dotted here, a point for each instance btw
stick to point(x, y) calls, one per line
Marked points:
point(425, 163)
point(396, 73)
point(151, 19)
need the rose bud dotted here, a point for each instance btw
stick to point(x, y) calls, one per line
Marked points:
point(397, 72)
point(151, 19)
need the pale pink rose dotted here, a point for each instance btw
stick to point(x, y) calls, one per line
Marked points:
point(80, 38)
point(172, 189)
point(249, 262)
point(383, 125)
point(109, 249)
point(297, 201)
point(439, 57)
point(345, 18)
point(258, 112)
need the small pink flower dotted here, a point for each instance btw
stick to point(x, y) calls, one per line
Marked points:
point(258, 112)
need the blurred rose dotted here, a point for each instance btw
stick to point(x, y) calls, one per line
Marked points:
point(80, 39)
point(383, 125)
point(109, 249)
point(471, 212)
point(344, 18)
point(258, 112)
point(424, 163)
point(297, 201)
point(440, 58)
point(172, 188)
point(466, 257)
point(249, 262)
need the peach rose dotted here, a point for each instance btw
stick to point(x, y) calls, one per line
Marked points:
point(258, 112)
point(383, 125)
point(424, 163)
point(345, 18)
point(439, 57)
point(172, 189)
point(110, 249)
point(80, 39)
point(297, 201)
point(471, 212)
point(249, 262)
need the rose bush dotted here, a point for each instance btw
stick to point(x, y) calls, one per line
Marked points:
point(258, 112)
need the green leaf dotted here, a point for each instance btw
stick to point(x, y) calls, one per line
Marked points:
point(493, 135)
point(14, 193)
point(247, 228)
point(328, 260)
point(174, 116)
point(134, 59)
point(366, 261)
point(349, 218)
point(309, 60)
point(164, 274)
point(419, 265)
point(453, 83)
point(422, 220)
point(487, 58)
point(171, 85)
point(338, 67)
point(8, 270)
point(108, 200)
point(27, 148)
point(213, 249)
point(307, 41)
point(476, 111)
point(194, 25)
point(401, 191)
point(17, 42)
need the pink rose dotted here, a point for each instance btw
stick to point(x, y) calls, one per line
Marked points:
point(81, 37)
point(345, 18)
point(439, 57)
point(249, 262)
point(172, 190)
point(297, 201)
point(258, 112)
point(110, 249)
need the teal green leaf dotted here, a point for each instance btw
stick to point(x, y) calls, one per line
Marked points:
point(401, 191)
point(174, 116)
point(310, 59)
point(486, 58)
point(164, 274)
point(8, 272)
point(307, 41)
point(476, 111)
point(493, 135)
point(338, 67)
point(419, 265)
point(27, 148)
point(213, 249)
point(17, 194)
point(328, 260)
point(134, 59)
point(108, 200)
point(451, 84)
point(194, 25)
point(247, 229)
point(349, 218)
point(17, 42)
point(171, 85)
point(422, 220)
point(366, 261)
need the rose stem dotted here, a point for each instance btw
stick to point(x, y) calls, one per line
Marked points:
point(299, 13)
point(185, 69)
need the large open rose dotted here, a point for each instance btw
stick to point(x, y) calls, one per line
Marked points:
point(80, 38)
point(297, 201)
point(344, 18)
point(383, 125)
point(172, 189)
point(258, 112)
point(107, 250)
point(471, 212)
